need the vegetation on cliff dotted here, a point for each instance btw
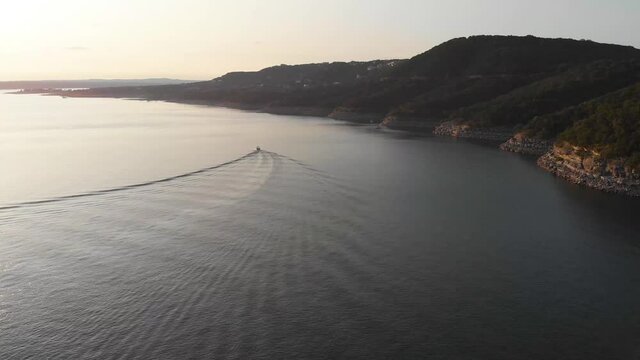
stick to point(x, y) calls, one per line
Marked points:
point(610, 126)
point(568, 88)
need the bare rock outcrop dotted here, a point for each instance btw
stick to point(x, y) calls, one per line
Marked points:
point(451, 128)
point(522, 144)
point(588, 168)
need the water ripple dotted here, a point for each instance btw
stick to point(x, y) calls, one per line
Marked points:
point(246, 259)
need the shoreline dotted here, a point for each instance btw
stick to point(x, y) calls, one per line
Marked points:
point(503, 138)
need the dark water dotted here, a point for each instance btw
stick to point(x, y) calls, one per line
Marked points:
point(336, 242)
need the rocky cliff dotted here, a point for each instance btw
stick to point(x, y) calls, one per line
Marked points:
point(522, 144)
point(588, 168)
point(465, 131)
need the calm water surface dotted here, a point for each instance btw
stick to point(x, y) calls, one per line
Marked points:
point(338, 241)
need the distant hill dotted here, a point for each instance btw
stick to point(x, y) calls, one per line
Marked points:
point(320, 87)
point(89, 83)
point(462, 72)
point(508, 55)
point(307, 75)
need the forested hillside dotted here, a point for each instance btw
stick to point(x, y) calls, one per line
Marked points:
point(537, 88)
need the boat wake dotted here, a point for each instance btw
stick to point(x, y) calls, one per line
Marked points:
point(138, 185)
point(195, 264)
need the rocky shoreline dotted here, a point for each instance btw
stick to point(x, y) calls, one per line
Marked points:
point(463, 131)
point(521, 144)
point(578, 166)
point(582, 167)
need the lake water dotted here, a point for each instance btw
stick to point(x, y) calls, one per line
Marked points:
point(336, 241)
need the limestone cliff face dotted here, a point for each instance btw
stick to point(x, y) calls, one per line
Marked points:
point(451, 128)
point(588, 168)
point(522, 144)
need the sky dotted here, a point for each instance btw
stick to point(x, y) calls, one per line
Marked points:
point(202, 39)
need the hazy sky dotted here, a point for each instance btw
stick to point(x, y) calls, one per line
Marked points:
point(200, 39)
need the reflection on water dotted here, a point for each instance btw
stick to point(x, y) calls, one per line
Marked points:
point(334, 242)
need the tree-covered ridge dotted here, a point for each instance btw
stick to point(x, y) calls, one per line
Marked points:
point(507, 55)
point(465, 71)
point(551, 94)
point(307, 75)
point(610, 126)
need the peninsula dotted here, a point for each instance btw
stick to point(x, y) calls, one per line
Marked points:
point(573, 103)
